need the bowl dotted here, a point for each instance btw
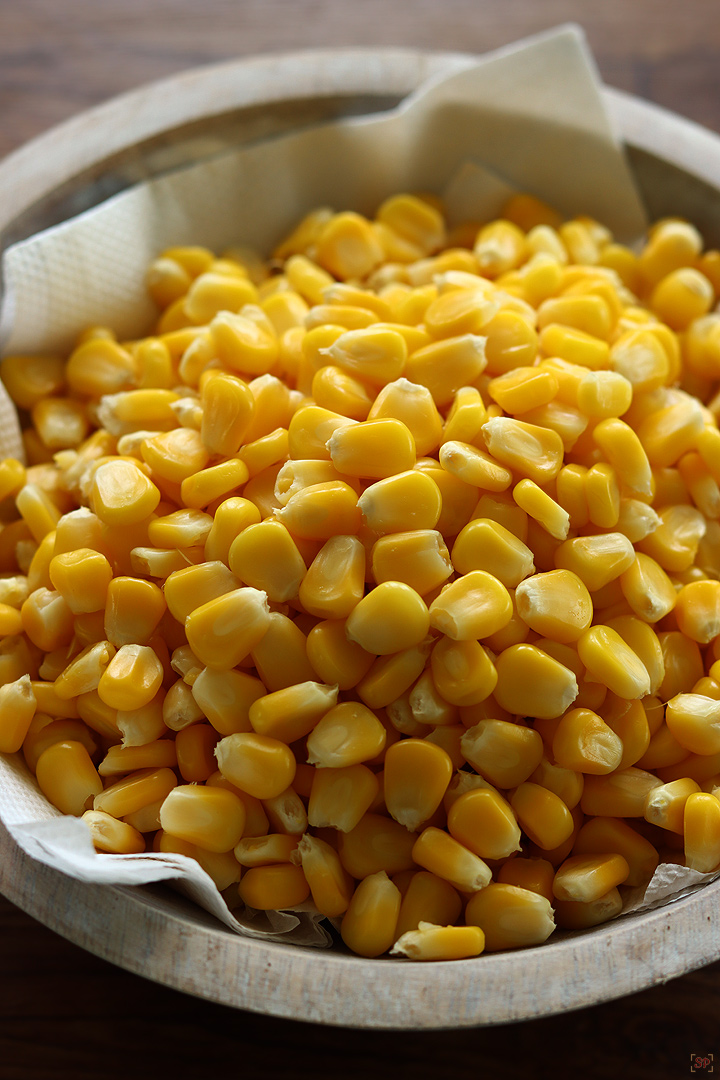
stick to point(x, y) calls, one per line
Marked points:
point(156, 932)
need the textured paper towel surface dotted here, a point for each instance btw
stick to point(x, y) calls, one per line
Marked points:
point(529, 117)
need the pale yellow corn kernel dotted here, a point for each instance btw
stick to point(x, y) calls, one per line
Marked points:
point(523, 388)
point(376, 843)
point(701, 346)
point(581, 246)
point(416, 220)
point(427, 706)
point(474, 467)
point(619, 794)
point(294, 476)
point(132, 678)
point(604, 394)
point(639, 356)
point(180, 529)
point(567, 784)
point(265, 557)
point(14, 589)
point(596, 560)
point(535, 875)
point(391, 618)
point(30, 379)
point(448, 859)
point(419, 558)
point(511, 342)
point(265, 850)
point(556, 604)
point(682, 296)
point(665, 805)
point(330, 884)
point(228, 408)
point(225, 698)
point(133, 609)
point(413, 405)
point(122, 494)
point(697, 610)
point(335, 581)
point(433, 942)
point(309, 279)
point(474, 606)
point(408, 501)
point(256, 764)
point(60, 423)
point(585, 878)
point(510, 917)
point(532, 683)
point(541, 276)
point(648, 589)
point(702, 832)
point(548, 513)
point(110, 835)
point(140, 726)
point(347, 246)
point(348, 734)
point(321, 511)
point(674, 543)
point(701, 484)
point(274, 887)
point(499, 247)
point(231, 517)
point(121, 760)
point(584, 743)
point(67, 777)
point(460, 311)
point(612, 662)
point(342, 293)
point(85, 670)
point(502, 508)
point(644, 642)
point(99, 366)
point(35, 560)
point(37, 510)
point(484, 822)
point(375, 356)
point(340, 797)
point(337, 390)
point(346, 316)
point(581, 312)
point(462, 671)
point(487, 545)
point(285, 309)
point(416, 777)
point(600, 835)
point(636, 520)
point(210, 817)
point(531, 451)
point(224, 630)
point(132, 410)
point(694, 720)
point(445, 366)
point(98, 716)
point(503, 753)
point(543, 816)
point(575, 346)
point(174, 455)
point(179, 707)
point(369, 924)
point(335, 659)
point(17, 708)
point(47, 620)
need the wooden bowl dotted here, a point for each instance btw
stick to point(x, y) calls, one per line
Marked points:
point(152, 930)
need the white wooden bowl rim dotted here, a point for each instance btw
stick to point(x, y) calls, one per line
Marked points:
point(153, 931)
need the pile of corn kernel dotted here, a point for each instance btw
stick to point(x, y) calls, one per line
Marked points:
point(384, 574)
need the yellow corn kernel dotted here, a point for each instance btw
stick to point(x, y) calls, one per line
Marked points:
point(565, 783)
point(266, 558)
point(231, 517)
point(535, 875)
point(702, 832)
point(596, 560)
point(663, 750)
point(510, 917)
point(265, 850)
point(474, 606)
point(10, 621)
point(499, 247)
point(174, 455)
point(307, 278)
point(447, 365)
point(407, 501)
point(330, 884)
point(340, 797)
point(37, 510)
point(532, 683)
point(133, 609)
point(274, 887)
point(213, 292)
point(665, 805)
point(415, 220)
point(67, 777)
point(530, 213)
point(462, 671)
point(369, 924)
point(47, 620)
point(210, 817)
point(122, 494)
point(644, 642)
point(604, 394)
point(485, 823)
point(619, 794)
point(347, 246)
point(701, 484)
point(391, 618)
point(335, 659)
point(585, 743)
point(321, 511)
point(348, 734)
point(413, 405)
point(503, 753)
point(225, 698)
point(586, 878)
point(17, 709)
point(531, 451)
point(121, 760)
point(337, 390)
point(682, 296)
point(82, 578)
point(448, 859)
point(99, 366)
point(466, 416)
point(556, 604)
point(511, 342)
point(419, 558)
point(256, 764)
point(672, 243)
point(291, 713)
point(85, 670)
point(549, 514)
point(390, 676)
point(346, 316)
point(228, 408)
point(474, 466)
point(543, 816)
point(373, 448)
point(600, 835)
point(224, 630)
point(460, 311)
point(30, 379)
point(694, 721)
point(523, 388)
point(611, 661)
point(575, 915)
point(488, 546)
point(416, 776)
point(433, 942)
point(335, 580)
point(647, 589)
point(113, 836)
point(586, 312)
point(427, 899)
point(575, 346)
point(639, 356)
point(697, 610)
point(132, 678)
point(375, 356)
point(674, 542)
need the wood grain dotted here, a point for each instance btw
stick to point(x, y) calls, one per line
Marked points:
point(67, 1014)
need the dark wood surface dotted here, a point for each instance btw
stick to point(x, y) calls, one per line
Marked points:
point(66, 1014)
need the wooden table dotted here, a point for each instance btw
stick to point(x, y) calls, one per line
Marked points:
point(66, 1014)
